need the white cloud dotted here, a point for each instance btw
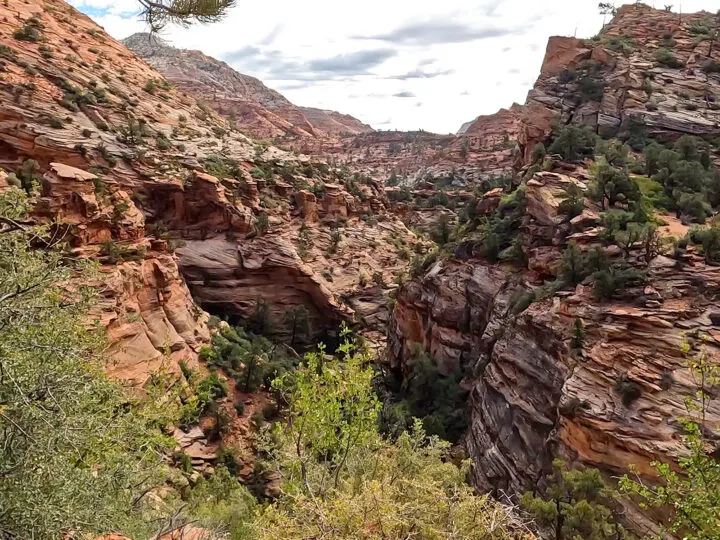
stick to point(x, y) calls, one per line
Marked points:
point(361, 57)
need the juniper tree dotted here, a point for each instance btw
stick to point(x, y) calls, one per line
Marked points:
point(159, 13)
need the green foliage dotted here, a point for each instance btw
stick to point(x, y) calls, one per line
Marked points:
point(260, 322)
point(341, 480)
point(616, 153)
point(297, 322)
point(115, 252)
point(572, 267)
point(667, 58)
point(489, 237)
point(653, 193)
point(628, 389)
point(212, 388)
point(150, 87)
point(421, 264)
point(331, 417)
point(220, 505)
point(578, 337)
point(538, 153)
point(305, 242)
point(78, 454)
point(573, 143)
point(635, 134)
point(134, 132)
point(573, 202)
point(688, 176)
point(262, 223)
point(29, 175)
point(437, 398)
point(576, 504)
point(250, 359)
point(221, 167)
point(30, 31)
point(162, 142)
point(609, 282)
point(709, 239)
point(591, 83)
point(692, 494)
point(611, 185)
point(620, 44)
point(441, 233)
point(183, 12)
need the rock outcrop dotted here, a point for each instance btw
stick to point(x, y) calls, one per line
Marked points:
point(143, 303)
point(535, 394)
point(252, 107)
point(648, 66)
point(170, 173)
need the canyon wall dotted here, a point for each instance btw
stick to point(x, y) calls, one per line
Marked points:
point(534, 393)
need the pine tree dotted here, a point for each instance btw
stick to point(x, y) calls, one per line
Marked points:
point(159, 13)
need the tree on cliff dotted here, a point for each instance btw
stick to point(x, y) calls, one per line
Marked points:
point(77, 454)
point(159, 13)
point(297, 320)
point(693, 492)
point(576, 504)
point(342, 480)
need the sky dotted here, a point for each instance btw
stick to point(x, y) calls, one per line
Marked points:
point(394, 64)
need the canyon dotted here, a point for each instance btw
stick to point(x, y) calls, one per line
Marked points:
point(147, 159)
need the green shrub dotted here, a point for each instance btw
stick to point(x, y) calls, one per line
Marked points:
point(611, 185)
point(182, 461)
point(150, 87)
point(667, 58)
point(162, 143)
point(28, 174)
point(226, 458)
point(572, 266)
point(711, 66)
point(578, 336)
point(436, 398)
point(573, 143)
point(620, 44)
point(539, 152)
point(609, 282)
point(212, 387)
point(573, 503)
point(628, 389)
point(262, 223)
point(709, 239)
point(31, 31)
point(573, 202)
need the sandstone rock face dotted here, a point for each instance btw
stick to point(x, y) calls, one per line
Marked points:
point(255, 108)
point(286, 269)
point(544, 193)
point(147, 310)
point(669, 101)
point(153, 145)
point(334, 124)
point(334, 202)
point(486, 147)
point(307, 203)
point(230, 278)
point(533, 397)
point(143, 302)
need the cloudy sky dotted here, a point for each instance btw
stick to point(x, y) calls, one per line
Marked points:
point(395, 64)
